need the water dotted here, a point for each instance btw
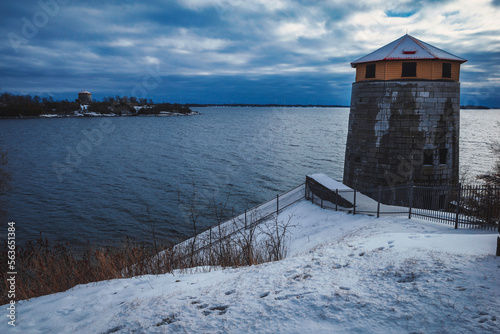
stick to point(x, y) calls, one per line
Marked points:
point(101, 179)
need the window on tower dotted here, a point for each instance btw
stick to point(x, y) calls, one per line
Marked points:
point(428, 157)
point(443, 153)
point(409, 69)
point(446, 70)
point(370, 71)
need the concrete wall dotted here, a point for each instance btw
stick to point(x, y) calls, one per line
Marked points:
point(397, 126)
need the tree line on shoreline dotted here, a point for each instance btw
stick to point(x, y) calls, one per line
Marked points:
point(33, 106)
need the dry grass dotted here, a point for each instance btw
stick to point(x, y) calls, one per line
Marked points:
point(45, 268)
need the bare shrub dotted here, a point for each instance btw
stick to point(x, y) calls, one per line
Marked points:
point(493, 177)
point(277, 237)
point(247, 243)
point(191, 208)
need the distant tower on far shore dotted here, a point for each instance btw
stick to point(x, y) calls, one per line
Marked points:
point(405, 117)
point(84, 97)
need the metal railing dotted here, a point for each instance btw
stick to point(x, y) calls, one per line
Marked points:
point(250, 218)
point(460, 205)
point(471, 206)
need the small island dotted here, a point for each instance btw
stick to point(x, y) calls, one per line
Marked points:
point(27, 106)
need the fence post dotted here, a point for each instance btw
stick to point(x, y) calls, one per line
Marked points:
point(498, 246)
point(337, 200)
point(245, 219)
point(411, 199)
point(459, 190)
point(489, 207)
point(277, 204)
point(354, 209)
point(378, 201)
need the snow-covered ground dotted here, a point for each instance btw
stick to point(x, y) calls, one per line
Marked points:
point(343, 274)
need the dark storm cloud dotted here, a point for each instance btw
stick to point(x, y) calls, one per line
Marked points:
point(225, 50)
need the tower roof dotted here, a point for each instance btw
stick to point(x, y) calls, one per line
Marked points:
point(407, 48)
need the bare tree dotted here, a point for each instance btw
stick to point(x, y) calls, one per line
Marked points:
point(493, 177)
point(247, 241)
point(5, 179)
point(4, 175)
point(192, 212)
point(277, 237)
point(150, 227)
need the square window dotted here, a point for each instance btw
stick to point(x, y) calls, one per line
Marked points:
point(409, 69)
point(443, 153)
point(446, 70)
point(370, 71)
point(428, 157)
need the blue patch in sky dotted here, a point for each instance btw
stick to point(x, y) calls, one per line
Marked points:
point(451, 13)
point(395, 13)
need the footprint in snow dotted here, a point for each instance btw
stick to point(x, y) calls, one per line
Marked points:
point(221, 308)
point(344, 288)
point(301, 277)
point(390, 242)
point(202, 306)
point(296, 296)
point(167, 320)
point(114, 329)
point(230, 292)
point(460, 288)
point(265, 294)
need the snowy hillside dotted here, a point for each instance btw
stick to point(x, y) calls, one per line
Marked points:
point(343, 274)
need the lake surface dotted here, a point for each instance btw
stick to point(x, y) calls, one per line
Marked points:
point(104, 179)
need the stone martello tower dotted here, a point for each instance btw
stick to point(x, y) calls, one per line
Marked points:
point(405, 117)
point(85, 97)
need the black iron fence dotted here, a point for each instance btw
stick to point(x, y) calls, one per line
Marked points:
point(471, 206)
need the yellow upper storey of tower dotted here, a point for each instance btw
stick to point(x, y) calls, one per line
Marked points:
point(408, 58)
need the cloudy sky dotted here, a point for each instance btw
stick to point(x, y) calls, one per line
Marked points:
point(232, 51)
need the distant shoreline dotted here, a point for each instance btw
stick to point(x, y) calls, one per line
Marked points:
point(166, 114)
point(193, 113)
point(268, 105)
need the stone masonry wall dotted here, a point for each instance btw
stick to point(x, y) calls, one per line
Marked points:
point(402, 131)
